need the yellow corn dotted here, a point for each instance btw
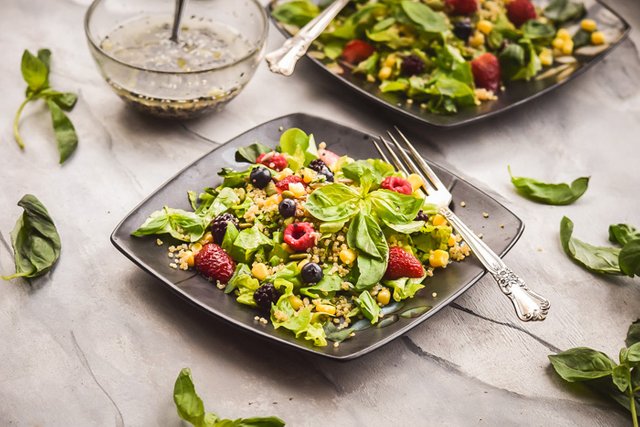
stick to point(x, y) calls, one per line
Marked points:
point(438, 258)
point(297, 189)
point(597, 37)
point(326, 308)
point(195, 247)
point(384, 296)
point(296, 303)
point(384, 73)
point(563, 34)
point(484, 26)
point(557, 43)
point(207, 238)
point(567, 48)
point(546, 57)
point(307, 175)
point(477, 39)
point(390, 61)
point(588, 25)
point(190, 260)
point(415, 181)
point(273, 200)
point(439, 220)
point(451, 241)
point(347, 256)
point(260, 271)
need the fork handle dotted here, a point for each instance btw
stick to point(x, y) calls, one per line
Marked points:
point(284, 60)
point(528, 304)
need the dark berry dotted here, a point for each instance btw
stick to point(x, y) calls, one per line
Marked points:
point(422, 216)
point(265, 295)
point(260, 177)
point(321, 167)
point(219, 226)
point(462, 29)
point(287, 208)
point(412, 65)
point(311, 273)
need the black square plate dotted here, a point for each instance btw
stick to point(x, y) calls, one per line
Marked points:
point(501, 230)
point(516, 93)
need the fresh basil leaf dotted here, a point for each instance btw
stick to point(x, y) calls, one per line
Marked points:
point(373, 171)
point(296, 12)
point(366, 236)
point(65, 100)
point(333, 202)
point(428, 20)
point(330, 283)
point(44, 55)
point(594, 258)
point(620, 377)
point(581, 363)
point(633, 334)
point(393, 207)
point(623, 233)
point(299, 148)
point(370, 271)
point(564, 10)
point(408, 228)
point(255, 422)
point(333, 333)
point(512, 59)
point(633, 353)
point(369, 307)
point(629, 259)
point(35, 240)
point(34, 71)
point(182, 225)
point(66, 136)
point(250, 153)
point(536, 30)
point(551, 194)
point(188, 403)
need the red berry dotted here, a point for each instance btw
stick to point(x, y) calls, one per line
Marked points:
point(214, 263)
point(462, 7)
point(300, 236)
point(486, 71)
point(356, 51)
point(272, 160)
point(402, 264)
point(397, 184)
point(283, 184)
point(520, 11)
point(328, 157)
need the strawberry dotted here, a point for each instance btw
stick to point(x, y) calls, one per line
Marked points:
point(520, 11)
point(356, 51)
point(486, 71)
point(283, 184)
point(272, 160)
point(214, 263)
point(462, 7)
point(397, 184)
point(300, 236)
point(328, 157)
point(402, 264)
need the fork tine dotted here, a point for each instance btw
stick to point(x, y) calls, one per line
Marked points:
point(425, 182)
point(426, 169)
point(394, 157)
point(384, 156)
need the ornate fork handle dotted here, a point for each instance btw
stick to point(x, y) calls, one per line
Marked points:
point(528, 304)
point(283, 60)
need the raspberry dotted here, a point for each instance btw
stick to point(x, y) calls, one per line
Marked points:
point(214, 263)
point(402, 264)
point(283, 184)
point(520, 11)
point(486, 71)
point(273, 160)
point(411, 65)
point(356, 51)
point(397, 184)
point(219, 226)
point(462, 7)
point(265, 295)
point(300, 236)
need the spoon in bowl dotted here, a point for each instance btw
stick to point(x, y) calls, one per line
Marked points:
point(177, 17)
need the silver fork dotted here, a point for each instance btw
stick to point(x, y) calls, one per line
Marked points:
point(528, 304)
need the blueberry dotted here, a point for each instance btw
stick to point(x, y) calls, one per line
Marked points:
point(462, 29)
point(422, 216)
point(311, 273)
point(327, 174)
point(287, 208)
point(321, 167)
point(260, 177)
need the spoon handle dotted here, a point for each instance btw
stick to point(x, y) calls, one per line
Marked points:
point(283, 60)
point(177, 17)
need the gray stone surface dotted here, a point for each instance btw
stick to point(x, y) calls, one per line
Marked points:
point(99, 342)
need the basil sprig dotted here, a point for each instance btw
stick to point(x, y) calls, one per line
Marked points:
point(191, 409)
point(620, 381)
point(35, 240)
point(35, 72)
point(550, 194)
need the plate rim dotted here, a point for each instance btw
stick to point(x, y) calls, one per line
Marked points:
point(116, 241)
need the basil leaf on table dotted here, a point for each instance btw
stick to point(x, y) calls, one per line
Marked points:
point(629, 259)
point(425, 17)
point(633, 334)
point(35, 72)
point(551, 194)
point(564, 10)
point(581, 363)
point(333, 202)
point(620, 377)
point(250, 153)
point(369, 307)
point(35, 240)
point(623, 233)
point(66, 136)
point(598, 259)
point(180, 224)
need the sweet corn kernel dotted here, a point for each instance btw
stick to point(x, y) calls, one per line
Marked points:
point(347, 256)
point(297, 189)
point(302, 263)
point(307, 177)
point(207, 238)
point(384, 73)
point(438, 258)
point(390, 61)
point(384, 296)
point(273, 200)
point(597, 37)
point(546, 57)
point(567, 48)
point(563, 34)
point(485, 26)
point(557, 43)
point(451, 241)
point(190, 260)
point(439, 220)
point(260, 271)
point(296, 303)
point(195, 247)
point(326, 308)
point(477, 39)
point(588, 25)
point(415, 181)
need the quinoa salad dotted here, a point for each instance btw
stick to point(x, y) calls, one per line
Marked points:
point(311, 240)
point(448, 54)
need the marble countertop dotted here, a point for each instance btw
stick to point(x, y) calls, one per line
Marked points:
point(99, 342)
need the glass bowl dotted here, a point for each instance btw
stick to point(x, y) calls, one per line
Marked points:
point(165, 85)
